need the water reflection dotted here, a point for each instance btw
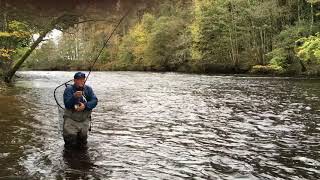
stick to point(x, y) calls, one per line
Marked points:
point(15, 133)
point(78, 164)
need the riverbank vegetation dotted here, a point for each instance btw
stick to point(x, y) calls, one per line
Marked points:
point(279, 37)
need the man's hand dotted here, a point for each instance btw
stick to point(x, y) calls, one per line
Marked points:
point(81, 107)
point(78, 94)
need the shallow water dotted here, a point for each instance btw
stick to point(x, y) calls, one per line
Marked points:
point(166, 126)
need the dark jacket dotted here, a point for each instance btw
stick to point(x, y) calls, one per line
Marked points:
point(70, 101)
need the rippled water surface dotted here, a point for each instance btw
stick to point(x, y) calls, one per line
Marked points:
point(166, 126)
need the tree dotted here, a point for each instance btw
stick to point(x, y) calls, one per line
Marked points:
point(219, 33)
point(13, 40)
point(62, 21)
point(60, 16)
point(309, 49)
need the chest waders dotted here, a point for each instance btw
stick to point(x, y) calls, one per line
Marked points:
point(76, 127)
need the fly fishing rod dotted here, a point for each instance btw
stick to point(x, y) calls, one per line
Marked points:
point(105, 44)
point(95, 60)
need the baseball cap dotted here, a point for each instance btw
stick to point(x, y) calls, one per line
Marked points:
point(79, 75)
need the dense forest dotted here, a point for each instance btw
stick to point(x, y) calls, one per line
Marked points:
point(279, 37)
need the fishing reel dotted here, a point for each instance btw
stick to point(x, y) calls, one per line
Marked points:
point(76, 106)
point(78, 88)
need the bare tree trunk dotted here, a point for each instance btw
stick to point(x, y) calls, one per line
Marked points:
point(303, 67)
point(233, 40)
point(265, 46)
point(299, 11)
point(76, 44)
point(231, 44)
point(312, 17)
point(236, 62)
point(5, 21)
point(253, 44)
point(5, 15)
point(262, 48)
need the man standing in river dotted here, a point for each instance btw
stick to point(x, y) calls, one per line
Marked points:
point(79, 100)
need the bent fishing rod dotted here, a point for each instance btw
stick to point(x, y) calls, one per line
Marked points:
point(95, 60)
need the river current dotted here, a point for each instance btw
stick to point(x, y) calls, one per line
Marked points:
point(166, 126)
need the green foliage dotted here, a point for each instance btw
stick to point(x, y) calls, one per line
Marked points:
point(13, 42)
point(278, 57)
point(269, 69)
point(285, 54)
point(163, 44)
point(5, 54)
point(16, 26)
point(288, 37)
point(197, 36)
point(235, 33)
point(45, 58)
point(313, 1)
point(206, 29)
point(133, 45)
point(17, 35)
point(310, 50)
point(155, 44)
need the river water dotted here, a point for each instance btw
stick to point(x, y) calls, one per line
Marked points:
point(166, 126)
